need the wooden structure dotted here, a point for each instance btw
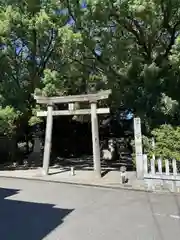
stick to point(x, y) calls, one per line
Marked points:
point(92, 99)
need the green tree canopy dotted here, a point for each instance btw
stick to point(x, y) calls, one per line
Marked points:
point(69, 47)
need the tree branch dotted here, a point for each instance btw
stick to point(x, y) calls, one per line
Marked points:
point(172, 31)
point(47, 53)
point(87, 65)
point(106, 65)
point(132, 26)
point(70, 11)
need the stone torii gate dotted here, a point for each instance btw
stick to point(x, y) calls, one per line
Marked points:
point(92, 99)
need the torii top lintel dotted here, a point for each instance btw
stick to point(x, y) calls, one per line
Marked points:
point(94, 97)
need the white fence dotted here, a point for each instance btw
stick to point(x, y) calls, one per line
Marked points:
point(161, 169)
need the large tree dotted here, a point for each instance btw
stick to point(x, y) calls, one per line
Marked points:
point(130, 43)
point(35, 40)
point(69, 47)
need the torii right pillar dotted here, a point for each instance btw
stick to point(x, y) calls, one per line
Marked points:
point(95, 140)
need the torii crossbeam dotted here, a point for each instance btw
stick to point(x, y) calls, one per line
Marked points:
point(71, 100)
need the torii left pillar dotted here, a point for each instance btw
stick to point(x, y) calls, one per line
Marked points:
point(48, 139)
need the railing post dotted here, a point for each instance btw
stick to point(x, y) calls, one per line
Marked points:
point(160, 166)
point(167, 166)
point(153, 170)
point(174, 167)
point(145, 161)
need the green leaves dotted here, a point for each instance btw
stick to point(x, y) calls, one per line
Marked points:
point(175, 56)
point(8, 118)
point(130, 46)
point(51, 84)
point(167, 142)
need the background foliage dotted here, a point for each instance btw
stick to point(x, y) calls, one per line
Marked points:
point(54, 47)
point(167, 142)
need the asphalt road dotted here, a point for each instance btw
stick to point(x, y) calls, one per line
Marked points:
point(32, 210)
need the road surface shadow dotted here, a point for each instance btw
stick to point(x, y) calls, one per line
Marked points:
point(27, 220)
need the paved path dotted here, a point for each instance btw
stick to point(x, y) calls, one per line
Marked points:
point(110, 179)
point(33, 210)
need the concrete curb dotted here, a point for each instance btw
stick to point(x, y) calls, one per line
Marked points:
point(128, 188)
point(118, 188)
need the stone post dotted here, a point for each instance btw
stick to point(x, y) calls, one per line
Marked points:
point(138, 148)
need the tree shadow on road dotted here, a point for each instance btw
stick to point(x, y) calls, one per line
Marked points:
point(27, 220)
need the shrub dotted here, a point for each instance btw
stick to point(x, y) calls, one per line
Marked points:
point(34, 120)
point(8, 118)
point(167, 139)
point(167, 143)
